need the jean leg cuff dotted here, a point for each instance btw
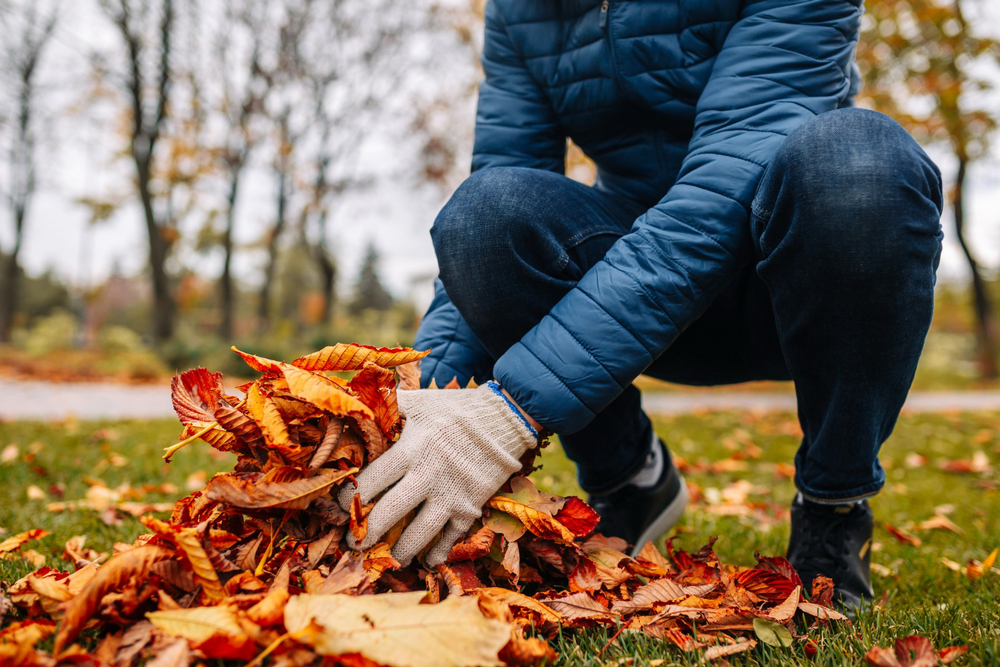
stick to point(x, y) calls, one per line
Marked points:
point(839, 497)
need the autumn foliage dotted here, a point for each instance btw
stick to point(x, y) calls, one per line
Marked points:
point(257, 564)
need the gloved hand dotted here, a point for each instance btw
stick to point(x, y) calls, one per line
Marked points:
point(457, 449)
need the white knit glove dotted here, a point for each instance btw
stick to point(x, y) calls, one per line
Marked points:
point(457, 449)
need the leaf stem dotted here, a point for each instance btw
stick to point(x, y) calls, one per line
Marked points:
point(169, 451)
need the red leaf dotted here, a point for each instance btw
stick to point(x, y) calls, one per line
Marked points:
point(765, 584)
point(903, 536)
point(950, 654)
point(780, 566)
point(584, 577)
point(578, 516)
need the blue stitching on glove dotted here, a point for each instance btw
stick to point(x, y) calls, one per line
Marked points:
point(495, 388)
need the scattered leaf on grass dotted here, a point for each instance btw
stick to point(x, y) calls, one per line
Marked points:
point(771, 633)
point(396, 629)
point(903, 536)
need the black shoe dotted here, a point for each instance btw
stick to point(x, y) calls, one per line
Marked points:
point(638, 515)
point(835, 541)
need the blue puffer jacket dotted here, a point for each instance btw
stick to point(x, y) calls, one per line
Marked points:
point(680, 103)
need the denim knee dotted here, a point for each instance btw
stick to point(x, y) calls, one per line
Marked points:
point(481, 220)
point(860, 187)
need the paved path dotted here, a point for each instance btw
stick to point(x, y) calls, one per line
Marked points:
point(20, 399)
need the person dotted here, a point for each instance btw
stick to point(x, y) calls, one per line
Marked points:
point(747, 222)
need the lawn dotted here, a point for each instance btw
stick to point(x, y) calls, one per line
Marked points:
point(62, 461)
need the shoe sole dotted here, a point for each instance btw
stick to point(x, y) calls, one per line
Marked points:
point(668, 517)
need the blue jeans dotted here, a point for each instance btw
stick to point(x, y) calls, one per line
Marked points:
point(838, 298)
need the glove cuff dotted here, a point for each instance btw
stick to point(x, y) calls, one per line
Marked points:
point(495, 388)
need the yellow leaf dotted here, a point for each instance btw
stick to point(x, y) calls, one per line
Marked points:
point(216, 631)
point(396, 629)
point(352, 357)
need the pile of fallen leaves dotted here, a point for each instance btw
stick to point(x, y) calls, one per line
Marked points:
point(257, 566)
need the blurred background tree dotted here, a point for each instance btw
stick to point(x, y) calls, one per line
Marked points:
point(924, 64)
point(27, 29)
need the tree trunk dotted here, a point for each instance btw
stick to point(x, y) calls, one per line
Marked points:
point(986, 338)
point(263, 306)
point(11, 278)
point(226, 280)
point(163, 300)
point(328, 274)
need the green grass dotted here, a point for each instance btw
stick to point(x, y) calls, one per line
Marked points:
point(924, 596)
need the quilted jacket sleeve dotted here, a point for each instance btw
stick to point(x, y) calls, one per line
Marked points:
point(783, 62)
point(515, 123)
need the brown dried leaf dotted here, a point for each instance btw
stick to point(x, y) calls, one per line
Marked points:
point(284, 487)
point(716, 652)
point(133, 563)
point(514, 599)
point(579, 606)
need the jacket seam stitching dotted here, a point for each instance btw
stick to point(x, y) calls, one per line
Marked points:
point(643, 289)
point(619, 322)
point(589, 352)
point(707, 189)
point(735, 157)
point(698, 229)
point(560, 380)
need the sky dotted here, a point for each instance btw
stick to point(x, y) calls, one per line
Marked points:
point(77, 159)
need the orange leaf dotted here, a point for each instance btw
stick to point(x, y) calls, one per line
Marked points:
point(132, 563)
point(359, 517)
point(352, 357)
point(976, 569)
point(527, 652)
point(264, 411)
point(324, 393)
point(15, 541)
point(476, 546)
point(189, 540)
point(783, 612)
point(259, 364)
point(952, 653)
point(376, 387)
